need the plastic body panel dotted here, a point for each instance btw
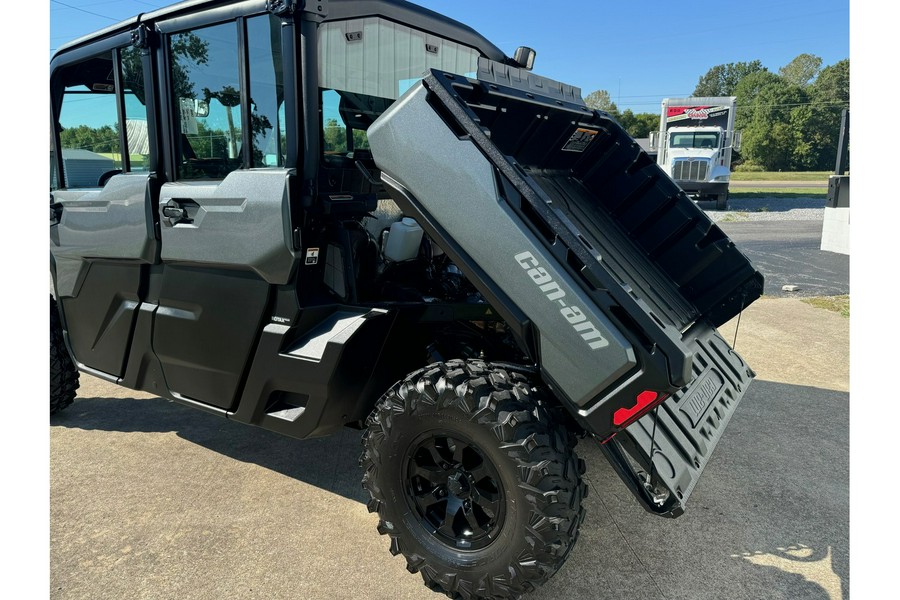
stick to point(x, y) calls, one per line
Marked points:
point(458, 189)
point(309, 382)
point(682, 433)
point(242, 222)
point(101, 246)
point(114, 223)
point(227, 245)
point(203, 341)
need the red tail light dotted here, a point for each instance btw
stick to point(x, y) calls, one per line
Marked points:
point(645, 401)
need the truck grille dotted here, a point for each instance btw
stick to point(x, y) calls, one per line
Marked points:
point(690, 170)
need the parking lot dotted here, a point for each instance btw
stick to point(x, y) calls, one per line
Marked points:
point(150, 499)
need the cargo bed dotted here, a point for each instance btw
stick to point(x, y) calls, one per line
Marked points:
point(550, 207)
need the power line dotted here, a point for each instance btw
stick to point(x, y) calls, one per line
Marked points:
point(824, 104)
point(84, 11)
point(827, 104)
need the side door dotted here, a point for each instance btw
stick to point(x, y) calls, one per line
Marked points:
point(103, 237)
point(225, 211)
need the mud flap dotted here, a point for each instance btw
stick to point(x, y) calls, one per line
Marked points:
point(683, 432)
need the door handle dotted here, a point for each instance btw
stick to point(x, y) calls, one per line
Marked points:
point(56, 209)
point(176, 213)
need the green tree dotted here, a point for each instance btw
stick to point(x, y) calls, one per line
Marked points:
point(833, 83)
point(815, 138)
point(600, 100)
point(801, 70)
point(102, 140)
point(722, 80)
point(335, 136)
point(187, 48)
point(638, 125)
point(765, 102)
point(229, 97)
point(830, 93)
point(208, 142)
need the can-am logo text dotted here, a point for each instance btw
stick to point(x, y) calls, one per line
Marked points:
point(574, 315)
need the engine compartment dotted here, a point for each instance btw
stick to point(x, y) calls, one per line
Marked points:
point(356, 263)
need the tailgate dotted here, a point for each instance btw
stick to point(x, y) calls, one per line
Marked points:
point(683, 431)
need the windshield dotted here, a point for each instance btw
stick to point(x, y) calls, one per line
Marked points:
point(694, 139)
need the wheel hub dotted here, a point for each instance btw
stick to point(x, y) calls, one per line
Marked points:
point(458, 485)
point(455, 491)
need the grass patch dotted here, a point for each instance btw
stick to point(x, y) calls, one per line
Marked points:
point(734, 217)
point(780, 193)
point(838, 304)
point(817, 176)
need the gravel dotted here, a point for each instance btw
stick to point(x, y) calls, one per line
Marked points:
point(768, 209)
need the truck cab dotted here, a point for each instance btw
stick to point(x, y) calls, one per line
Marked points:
point(695, 141)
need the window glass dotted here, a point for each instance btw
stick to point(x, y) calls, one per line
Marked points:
point(89, 123)
point(706, 139)
point(266, 91)
point(336, 115)
point(207, 101)
point(136, 133)
point(54, 179)
point(366, 64)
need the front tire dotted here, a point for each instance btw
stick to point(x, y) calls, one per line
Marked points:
point(474, 480)
point(722, 201)
point(63, 374)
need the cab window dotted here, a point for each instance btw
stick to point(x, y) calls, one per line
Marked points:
point(366, 64)
point(210, 102)
point(91, 129)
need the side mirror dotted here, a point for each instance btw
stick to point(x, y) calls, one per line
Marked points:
point(524, 56)
point(654, 140)
point(736, 142)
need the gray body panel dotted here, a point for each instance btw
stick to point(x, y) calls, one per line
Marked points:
point(455, 184)
point(110, 223)
point(242, 222)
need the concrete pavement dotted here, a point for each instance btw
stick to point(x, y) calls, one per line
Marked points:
point(150, 499)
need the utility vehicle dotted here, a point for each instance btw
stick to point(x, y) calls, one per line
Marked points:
point(359, 213)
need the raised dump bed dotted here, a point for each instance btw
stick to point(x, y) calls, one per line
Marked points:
point(571, 231)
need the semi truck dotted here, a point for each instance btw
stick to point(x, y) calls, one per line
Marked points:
point(413, 235)
point(694, 145)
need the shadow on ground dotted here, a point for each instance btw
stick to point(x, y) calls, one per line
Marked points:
point(316, 462)
point(770, 518)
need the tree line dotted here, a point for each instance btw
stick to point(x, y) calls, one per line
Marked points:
point(790, 119)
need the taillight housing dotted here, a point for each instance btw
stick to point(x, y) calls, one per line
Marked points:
point(645, 402)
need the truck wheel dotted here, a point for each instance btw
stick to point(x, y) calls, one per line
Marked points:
point(473, 479)
point(722, 201)
point(63, 374)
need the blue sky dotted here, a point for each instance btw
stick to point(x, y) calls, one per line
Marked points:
point(640, 51)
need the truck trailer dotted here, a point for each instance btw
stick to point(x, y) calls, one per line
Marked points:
point(694, 145)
